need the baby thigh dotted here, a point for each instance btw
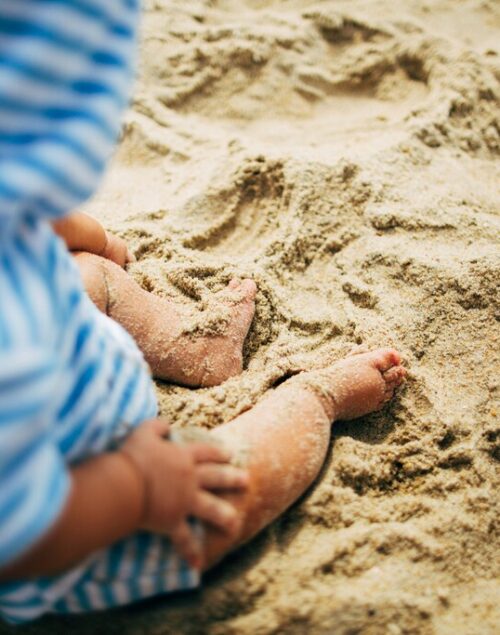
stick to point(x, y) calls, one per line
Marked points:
point(93, 277)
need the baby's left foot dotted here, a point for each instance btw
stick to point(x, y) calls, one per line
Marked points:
point(357, 385)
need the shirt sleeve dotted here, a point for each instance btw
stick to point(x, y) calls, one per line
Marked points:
point(65, 76)
point(34, 481)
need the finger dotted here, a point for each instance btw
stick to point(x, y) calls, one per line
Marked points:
point(227, 477)
point(208, 453)
point(122, 255)
point(187, 545)
point(216, 511)
point(161, 427)
point(130, 257)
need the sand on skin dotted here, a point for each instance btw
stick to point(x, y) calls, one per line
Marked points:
point(345, 156)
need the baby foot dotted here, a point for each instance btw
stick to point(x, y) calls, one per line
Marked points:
point(223, 356)
point(358, 384)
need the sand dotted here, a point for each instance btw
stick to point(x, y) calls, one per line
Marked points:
point(345, 156)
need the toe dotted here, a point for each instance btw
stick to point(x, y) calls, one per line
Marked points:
point(395, 375)
point(249, 289)
point(246, 287)
point(388, 395)
point(244, 308)
point(386, 358)
point(393, 378)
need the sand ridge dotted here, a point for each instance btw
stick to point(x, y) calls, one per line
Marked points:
point(344, 155)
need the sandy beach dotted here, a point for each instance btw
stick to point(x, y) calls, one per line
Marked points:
point(344, 155)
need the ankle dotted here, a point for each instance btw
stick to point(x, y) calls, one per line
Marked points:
point(318, 384)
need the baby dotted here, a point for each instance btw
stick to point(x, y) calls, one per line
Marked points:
point(98, 506)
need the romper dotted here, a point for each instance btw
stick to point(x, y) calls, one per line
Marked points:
point(72, 382)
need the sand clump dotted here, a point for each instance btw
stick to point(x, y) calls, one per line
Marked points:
point(344, 155)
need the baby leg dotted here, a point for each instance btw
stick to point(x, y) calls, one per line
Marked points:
point(158, 325)
point(284, 438)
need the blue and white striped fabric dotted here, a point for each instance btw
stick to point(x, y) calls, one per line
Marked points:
point(71, 380)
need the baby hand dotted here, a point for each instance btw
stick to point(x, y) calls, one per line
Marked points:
point(116, 250)
point(167, 473)
point(181, 481)
point(214, 475)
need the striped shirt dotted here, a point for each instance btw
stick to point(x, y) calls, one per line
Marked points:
point(71, 380)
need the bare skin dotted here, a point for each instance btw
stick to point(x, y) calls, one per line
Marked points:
point(283, 439)
point(82, 232)
point(157, 325)
point(286, 437)
point(282, 442)
point(151, 484)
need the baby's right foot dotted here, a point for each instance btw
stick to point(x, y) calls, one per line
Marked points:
point(224, 353)
point(359, 384)
point(209, 359)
